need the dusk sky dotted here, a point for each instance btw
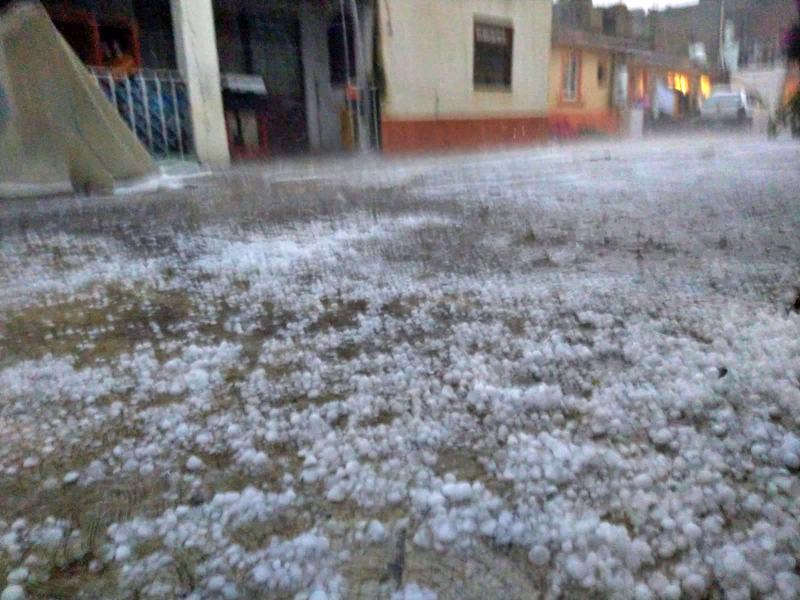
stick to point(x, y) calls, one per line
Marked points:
point(647, 3)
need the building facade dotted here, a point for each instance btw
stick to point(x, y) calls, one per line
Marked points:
point(464, 74)
point(232, 78)
point(581, 89)
point(741, 41)
point(755, 27)
point(603, 64)
point(258, 78)
point(296, 75)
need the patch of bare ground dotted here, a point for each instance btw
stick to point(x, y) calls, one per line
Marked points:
point(338, 314)
point(64, 571)
point(474, 574)
point(93, 327)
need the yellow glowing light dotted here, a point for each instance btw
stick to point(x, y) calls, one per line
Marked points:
point(705, 86)
point(640, 85)
point(678, 81)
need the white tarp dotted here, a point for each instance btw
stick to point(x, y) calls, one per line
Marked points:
point(665, 100)
point(58, 131)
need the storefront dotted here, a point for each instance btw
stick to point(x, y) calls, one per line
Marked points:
point(286, 70)
point(670, 89)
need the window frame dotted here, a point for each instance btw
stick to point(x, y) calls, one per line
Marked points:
point(564, 93)
point(479, 81)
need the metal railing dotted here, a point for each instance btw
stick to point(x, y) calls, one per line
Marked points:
point(155, 105)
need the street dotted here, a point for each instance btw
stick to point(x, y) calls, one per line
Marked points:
point(570, 371)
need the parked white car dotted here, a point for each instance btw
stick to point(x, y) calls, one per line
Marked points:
point(734, 107)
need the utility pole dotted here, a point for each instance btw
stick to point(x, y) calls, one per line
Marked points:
point(722, 36)
point(361, 63)
point(361, 75)
point(347, 67)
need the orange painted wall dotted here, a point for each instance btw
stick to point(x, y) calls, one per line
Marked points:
point(591, 111)
point(593, 95)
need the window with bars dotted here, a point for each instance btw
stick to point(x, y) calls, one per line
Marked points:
point(570, 81)
point(341, 50)
point(494, 45)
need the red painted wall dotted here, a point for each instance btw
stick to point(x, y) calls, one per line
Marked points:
point(452, 134)
point(458, 134)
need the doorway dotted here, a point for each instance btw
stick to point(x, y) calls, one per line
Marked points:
point(270, 50)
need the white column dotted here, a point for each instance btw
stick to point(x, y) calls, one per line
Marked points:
point(198, 61)
point(314, 54)
point(362, 143)
point(367, 68)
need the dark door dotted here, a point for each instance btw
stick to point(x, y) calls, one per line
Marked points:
point(274, 52)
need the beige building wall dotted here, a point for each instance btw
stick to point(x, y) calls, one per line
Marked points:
point(427, 48)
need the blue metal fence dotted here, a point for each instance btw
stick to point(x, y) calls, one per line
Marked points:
point(155, 105)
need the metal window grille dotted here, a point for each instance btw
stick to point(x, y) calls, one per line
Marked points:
point(493, 48)
point(155, 105)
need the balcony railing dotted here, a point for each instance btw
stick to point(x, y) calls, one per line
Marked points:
point(155, 105)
